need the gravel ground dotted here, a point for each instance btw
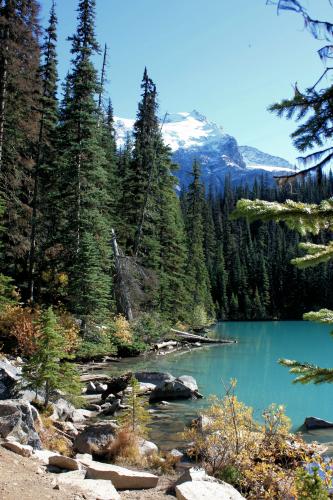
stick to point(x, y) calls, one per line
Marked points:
point(24, 479)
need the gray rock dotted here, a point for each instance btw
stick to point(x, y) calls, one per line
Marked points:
point(82, 415)
point(195, 474)
point(122, 478)
point(155, 378)
point(147, 448)
point(171, 390)
point(94, 438)
point(317, 423)
point(189, 382)
point(16, 421)
point(176, 454)
point(9, 377)
point(63, 410)
point(203, 490)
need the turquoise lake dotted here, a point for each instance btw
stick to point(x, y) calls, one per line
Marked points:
point(253, 362)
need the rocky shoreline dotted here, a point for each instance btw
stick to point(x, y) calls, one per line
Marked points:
point(90, 430)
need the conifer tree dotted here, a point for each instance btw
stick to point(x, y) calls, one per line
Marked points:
point(196, 270)
point(84, 177)
point(48, 368)
point(45, 151)
point(19, 119)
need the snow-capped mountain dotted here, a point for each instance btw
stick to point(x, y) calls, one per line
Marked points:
point(192, 137)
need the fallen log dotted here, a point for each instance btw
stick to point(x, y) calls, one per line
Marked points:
point(192, 337)
point(162, 345)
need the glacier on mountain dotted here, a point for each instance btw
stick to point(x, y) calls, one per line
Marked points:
point(191, 136)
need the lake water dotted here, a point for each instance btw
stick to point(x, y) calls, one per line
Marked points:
point(253, 362)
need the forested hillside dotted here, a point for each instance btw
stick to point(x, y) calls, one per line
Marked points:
point(97, 231)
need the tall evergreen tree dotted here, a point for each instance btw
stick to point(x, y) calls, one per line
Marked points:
point(196, 270)
point(45, 151)
point(19, 126)
point(83, 165)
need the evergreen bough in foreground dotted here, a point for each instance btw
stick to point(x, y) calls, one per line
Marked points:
point(305, 219)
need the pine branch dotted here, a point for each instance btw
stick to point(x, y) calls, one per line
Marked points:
point(308, 373)
point(302, 217)
point(322, 316)
point(323, 254)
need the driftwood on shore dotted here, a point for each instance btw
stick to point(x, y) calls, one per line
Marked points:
point(192, 337)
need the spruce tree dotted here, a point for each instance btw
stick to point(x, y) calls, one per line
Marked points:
point(19, 120)
point(48, 368)
point(86, 229)
point(196, 270)
point(45, 151)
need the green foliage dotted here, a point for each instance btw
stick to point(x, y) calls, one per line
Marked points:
point(199, 318)
point(150, 327)
point(8, 295)
point(48, 368)
point(136, 418)
point(310, 486)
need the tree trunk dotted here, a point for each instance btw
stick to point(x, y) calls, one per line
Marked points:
point(123, 299)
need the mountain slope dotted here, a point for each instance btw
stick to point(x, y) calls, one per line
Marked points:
point(192, 137)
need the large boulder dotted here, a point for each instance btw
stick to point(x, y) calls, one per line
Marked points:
point(123, 479)
point(317, 423)
point(170, 390)
point(95, 438)
point(204, 490)
point(189, 382)
point(9, 377)
point(155, 378)
point(90, 489)
point(17, 422)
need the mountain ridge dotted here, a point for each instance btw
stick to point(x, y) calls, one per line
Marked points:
point(191, 136)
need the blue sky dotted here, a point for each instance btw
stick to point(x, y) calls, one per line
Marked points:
point(229, 59)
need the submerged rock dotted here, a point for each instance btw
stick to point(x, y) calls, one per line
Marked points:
point(17, 422)
point(155, 378)
point(317, 423)
point(189, 382)
point(170, 390)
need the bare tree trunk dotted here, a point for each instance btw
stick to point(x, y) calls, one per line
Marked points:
point(123, 299)
point(102, 78)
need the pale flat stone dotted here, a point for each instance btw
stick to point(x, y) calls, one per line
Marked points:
point(64, 462)
point(91, 489)
point(84, 458)
point(204, 490)
point(122, 478)
point(21, 449)
point(43, 456)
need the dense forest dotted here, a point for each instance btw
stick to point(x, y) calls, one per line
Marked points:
point(96, 230)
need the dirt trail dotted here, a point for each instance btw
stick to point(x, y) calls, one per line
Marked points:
point(25, 479)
